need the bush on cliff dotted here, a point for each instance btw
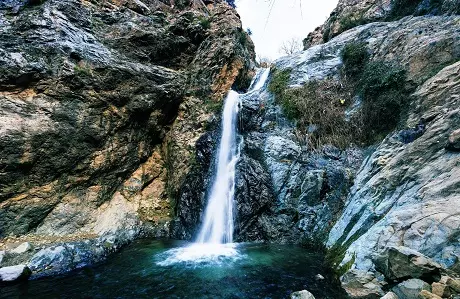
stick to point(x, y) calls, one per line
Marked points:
point(318, 108)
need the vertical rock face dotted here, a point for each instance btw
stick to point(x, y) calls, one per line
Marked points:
point(400, 218)
point(101, 104)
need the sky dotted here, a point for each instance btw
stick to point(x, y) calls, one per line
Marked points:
point(288, 19)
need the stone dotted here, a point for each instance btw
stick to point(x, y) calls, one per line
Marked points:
point(24, 247)
point(302, 295)
point(399, 262)
point(415, 206)
point(390, 295)
point(453, 143)
point(137, 6)
point(361, 284)
point(2, 255)
point(424, 294)
point(410, 289)
point(14, 273)
point(454, 284)
point(440, 289)
point(319, 277)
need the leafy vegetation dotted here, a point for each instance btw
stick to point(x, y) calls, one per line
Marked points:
point(382, 86)
point(351, 21)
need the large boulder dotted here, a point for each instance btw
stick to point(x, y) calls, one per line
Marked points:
point(399, 262)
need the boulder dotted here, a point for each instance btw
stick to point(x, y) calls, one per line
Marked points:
point(390, 295)
point(302, 295)
point(453, 143)
point(440, 289)
point(399, 262)
point(410, 289)
point(361, 284)
point(454, 284)
point(14, 273)
point(424, 294)
point(23, 248)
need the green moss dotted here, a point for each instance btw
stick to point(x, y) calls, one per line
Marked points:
point(82, 70)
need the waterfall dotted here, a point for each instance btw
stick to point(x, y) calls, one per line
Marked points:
point(218, 220)
point(217, 226)
point(214, 242)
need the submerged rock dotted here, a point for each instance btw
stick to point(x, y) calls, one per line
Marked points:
point(302, 295)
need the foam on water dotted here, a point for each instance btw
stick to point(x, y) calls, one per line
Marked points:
point(201, 254)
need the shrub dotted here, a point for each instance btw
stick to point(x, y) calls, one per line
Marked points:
point(402, 8)
point(204, 22)
point(317, 104)
point(382, 87)
point(279, 81)
point(355, 56)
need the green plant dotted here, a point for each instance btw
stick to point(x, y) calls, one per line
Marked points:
point(354, 56)
point(82, 70)
point(204, 22)
point(243, 38)
point(279, 81)
point(402, 8)
point(318, 108)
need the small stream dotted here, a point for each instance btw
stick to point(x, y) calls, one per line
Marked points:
point(139, 271)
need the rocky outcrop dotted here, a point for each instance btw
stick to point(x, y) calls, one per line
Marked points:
point(415, 206)
point(352, 13)
point(96, 98)
point(398, 221)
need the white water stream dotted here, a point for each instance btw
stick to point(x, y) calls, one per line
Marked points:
point(218, 225)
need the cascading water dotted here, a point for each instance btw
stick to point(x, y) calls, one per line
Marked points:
point(214, 241)
point(218, 220)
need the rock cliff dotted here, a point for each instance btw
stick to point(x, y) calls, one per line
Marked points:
point(386, 212)
point(101, 105)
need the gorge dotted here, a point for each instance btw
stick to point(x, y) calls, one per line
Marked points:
point(337, 172)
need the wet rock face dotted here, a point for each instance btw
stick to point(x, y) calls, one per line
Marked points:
point(95, 99)
point(285, 192)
